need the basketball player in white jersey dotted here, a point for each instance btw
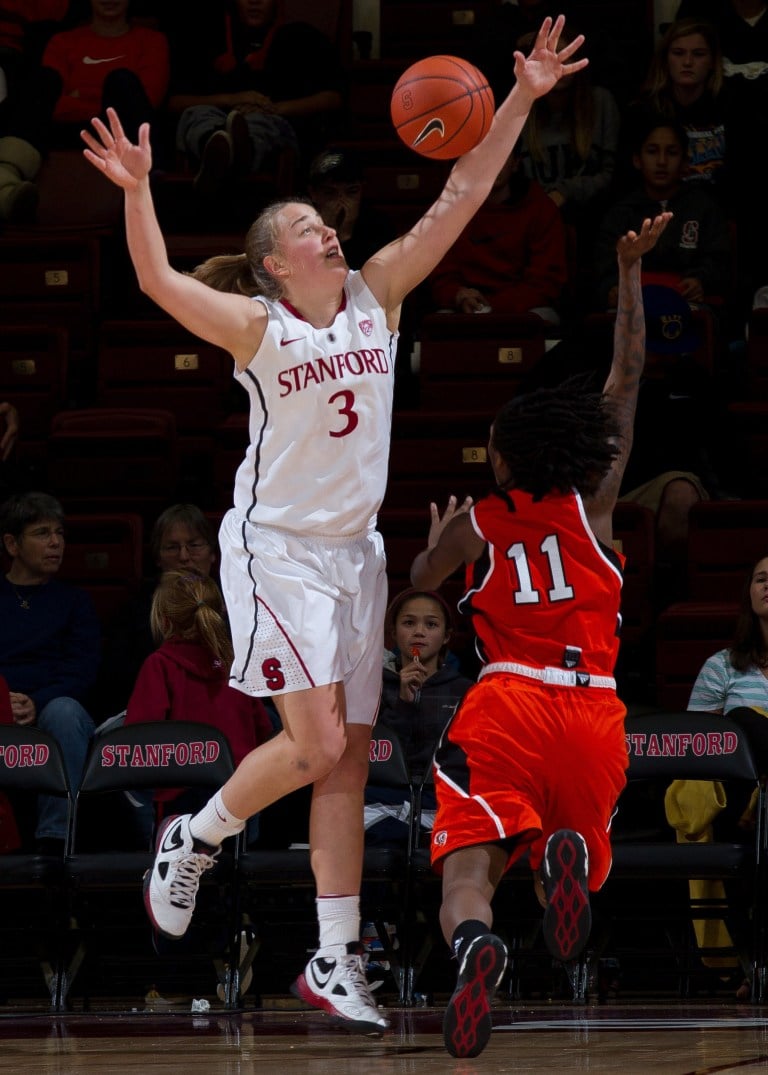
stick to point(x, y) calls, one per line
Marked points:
point(303, 567)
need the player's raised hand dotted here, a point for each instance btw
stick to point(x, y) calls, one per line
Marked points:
point(537, 73)
point(115, 155)
point(439, 522)
point(634, 244)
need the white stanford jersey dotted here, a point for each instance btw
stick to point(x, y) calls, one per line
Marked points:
point(320, 418)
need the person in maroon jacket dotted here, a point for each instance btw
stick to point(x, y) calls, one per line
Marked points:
point(187, 677)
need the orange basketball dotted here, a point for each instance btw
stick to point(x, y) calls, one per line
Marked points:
point(442, 106)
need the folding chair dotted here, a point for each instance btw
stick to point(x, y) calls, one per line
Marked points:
point(650, 878)
point(105, 883)
point(32, 888)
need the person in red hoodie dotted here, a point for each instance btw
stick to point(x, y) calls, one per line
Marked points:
point(512, 256)
point(187, 677)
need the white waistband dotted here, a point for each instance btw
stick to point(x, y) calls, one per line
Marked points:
point(557, 677)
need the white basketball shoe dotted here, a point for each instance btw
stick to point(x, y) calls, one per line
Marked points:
point(335, 981)
point(170, 887)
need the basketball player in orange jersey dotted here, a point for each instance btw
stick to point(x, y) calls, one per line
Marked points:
point(534, 759)
point(302, 564)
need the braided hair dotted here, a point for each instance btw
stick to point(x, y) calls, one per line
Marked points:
point(557, 439)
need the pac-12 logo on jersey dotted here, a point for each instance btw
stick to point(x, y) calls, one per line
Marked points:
point(366, 327)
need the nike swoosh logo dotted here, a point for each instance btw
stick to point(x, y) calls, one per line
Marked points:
point(284, 343)
point(172, 840)
point(109, 59)
point(322, 969)
point(434, 125)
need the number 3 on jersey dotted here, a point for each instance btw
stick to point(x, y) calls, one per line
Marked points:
point(526, 594)
point(345, 404)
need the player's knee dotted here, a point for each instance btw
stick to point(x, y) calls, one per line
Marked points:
point(325, 754)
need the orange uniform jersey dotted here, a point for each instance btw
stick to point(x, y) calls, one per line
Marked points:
point(526, 754)
point(545, 592)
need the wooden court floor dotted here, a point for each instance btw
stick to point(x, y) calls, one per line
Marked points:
point(673, 1039)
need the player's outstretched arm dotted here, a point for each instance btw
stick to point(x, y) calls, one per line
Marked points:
point(623, 382)
point(394, 271)
point(222, 319)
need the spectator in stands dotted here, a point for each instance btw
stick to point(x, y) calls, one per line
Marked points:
point(685, 82)
point(735, 677)
point(336, 185)
point(511, 258)
point(25, 90)
point(742, 28)
point(187, 676)
point(49, 643)
point(422, 687)
point(569, 145)
point(182, 539)
point(254, 86)
point(733, 682)
point(108, 62)
point(694, 254)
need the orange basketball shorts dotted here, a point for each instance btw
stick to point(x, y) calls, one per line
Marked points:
point(521, 759)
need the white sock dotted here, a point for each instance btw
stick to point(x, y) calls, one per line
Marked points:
point(339, 919)
point(214, 823)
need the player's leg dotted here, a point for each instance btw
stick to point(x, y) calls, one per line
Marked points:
point(470, 877)
point(564, 877)
point(310, 744)
point(335, 979)
point(576, 857)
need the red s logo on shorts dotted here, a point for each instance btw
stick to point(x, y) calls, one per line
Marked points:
point(273, 675)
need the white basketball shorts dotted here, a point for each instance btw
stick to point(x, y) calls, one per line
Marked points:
point(305, 611)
